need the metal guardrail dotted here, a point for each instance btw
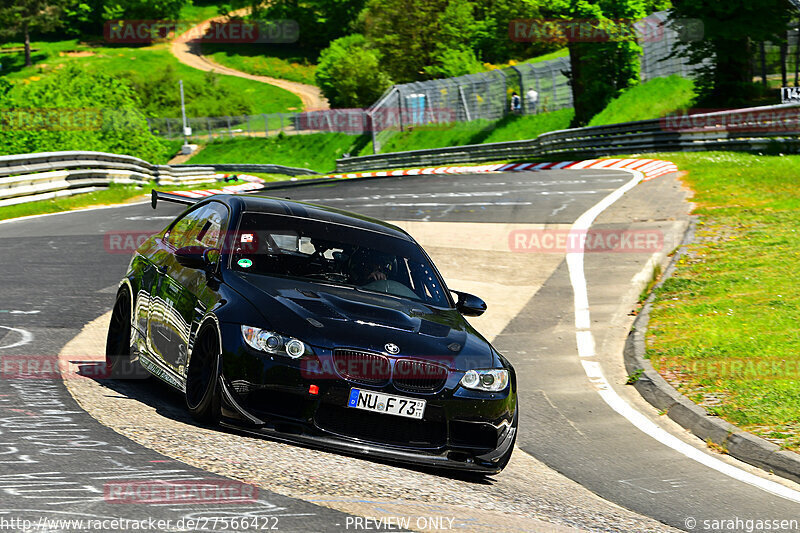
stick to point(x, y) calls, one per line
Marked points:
point(43, 176)
point(758, 129)
point(31, 177)
point(264, 169)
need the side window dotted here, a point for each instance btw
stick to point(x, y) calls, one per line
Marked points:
point(201, 227)
point(177, 235)
point(212, 223)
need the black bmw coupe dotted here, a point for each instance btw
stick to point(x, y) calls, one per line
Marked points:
point(314, 325)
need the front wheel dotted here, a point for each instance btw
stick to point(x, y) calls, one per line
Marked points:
point(202, 378)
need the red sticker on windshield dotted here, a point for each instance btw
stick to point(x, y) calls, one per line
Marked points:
point(247, 237)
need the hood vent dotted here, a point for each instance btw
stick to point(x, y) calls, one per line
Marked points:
point(319, 308)
point(433, 329)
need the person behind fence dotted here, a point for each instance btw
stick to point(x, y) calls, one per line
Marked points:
point(533, 100)
point(516, 103)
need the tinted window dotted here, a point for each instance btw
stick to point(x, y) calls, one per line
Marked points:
point(336, 254)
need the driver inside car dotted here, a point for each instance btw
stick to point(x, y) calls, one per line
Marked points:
point(367, 266)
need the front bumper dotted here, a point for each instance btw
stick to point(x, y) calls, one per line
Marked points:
point(461, 429)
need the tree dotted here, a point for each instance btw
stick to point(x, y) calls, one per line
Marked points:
point(732, 31)
point(140, 9)
point(320, 21)
point(24, 16)
point(492, 41)
point(349, 73)
point(600, 69)
point(415, 35)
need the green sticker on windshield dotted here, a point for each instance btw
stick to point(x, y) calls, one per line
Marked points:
point(244, 263)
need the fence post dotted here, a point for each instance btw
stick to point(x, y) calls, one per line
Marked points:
point(400, 108)
point(266, 125)
point(505, 93)
point(230, 132)
point(555, 88)
point(464, 102)
point(247, 125)
point(375, 143)
point(538, 91)
point(169, 130)
point(208, 125)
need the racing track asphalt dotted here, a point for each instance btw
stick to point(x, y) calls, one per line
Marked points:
point(57, 276)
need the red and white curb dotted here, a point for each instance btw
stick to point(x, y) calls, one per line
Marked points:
point(651, 168)
point(254, 183)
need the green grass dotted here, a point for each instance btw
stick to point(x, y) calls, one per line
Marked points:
point(199, 11)
point(276, 61)
point(145, 63)
point(653, 99)
point(114, 194)
point(317, 151)
point(511, 128)
point(724, 328)
point(547, 57)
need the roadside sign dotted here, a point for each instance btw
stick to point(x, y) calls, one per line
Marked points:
point(790, 95)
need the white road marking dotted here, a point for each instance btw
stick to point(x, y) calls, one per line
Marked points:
point(156, 217)
point(27, 337)
point(586, 343)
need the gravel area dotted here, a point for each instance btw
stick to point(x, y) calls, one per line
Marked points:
point(526, 496)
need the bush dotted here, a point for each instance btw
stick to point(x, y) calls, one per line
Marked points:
point(75, 110)
point(349, 73)
point(451, 63)
point(160, 95)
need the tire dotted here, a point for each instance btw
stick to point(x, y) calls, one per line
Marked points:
point(118, 341)
point(202, 378)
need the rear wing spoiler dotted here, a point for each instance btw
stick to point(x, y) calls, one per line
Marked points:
point(155, 196)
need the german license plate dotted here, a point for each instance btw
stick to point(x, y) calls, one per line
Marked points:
point(386, 403)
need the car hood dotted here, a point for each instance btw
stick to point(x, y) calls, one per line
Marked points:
point(330, 316)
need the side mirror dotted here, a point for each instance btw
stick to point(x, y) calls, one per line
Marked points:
point(469, 304)
point(197, 257)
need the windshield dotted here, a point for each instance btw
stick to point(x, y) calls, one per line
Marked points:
point(275, 245)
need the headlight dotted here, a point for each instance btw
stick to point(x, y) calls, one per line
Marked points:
point(486, 380)
point(271, 342)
